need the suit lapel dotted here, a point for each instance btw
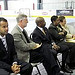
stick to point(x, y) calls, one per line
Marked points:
point(42, 34)
point(39, 31)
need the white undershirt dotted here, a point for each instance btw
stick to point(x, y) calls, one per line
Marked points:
point(40, 28)
point(20, 28)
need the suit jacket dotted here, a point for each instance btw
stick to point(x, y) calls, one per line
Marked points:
point(39, 37)
point(7, 57)
point(22, 47)
point(53, 30)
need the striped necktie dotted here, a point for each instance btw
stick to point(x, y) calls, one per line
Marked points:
point(4, 42)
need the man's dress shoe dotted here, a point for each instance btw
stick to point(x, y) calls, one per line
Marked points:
point(64, 69)
point(60, 73)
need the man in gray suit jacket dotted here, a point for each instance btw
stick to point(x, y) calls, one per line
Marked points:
point(22, 43)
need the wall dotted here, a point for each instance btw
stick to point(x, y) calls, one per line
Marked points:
point(2, 5)
point(33, 13)
point(58, 4)
point(17, 4)
point(47, 4)
point(11, 15)
point(13, 5)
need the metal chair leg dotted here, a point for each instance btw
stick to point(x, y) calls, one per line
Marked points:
point(38, 69)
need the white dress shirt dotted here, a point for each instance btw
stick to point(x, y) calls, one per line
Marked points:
point(20, 28)
point(41, 30)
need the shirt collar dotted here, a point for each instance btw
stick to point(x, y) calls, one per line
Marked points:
point(39, 28)
point(20, 28)
point(2, 37)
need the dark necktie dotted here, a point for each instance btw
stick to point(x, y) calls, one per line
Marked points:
point(26, 36)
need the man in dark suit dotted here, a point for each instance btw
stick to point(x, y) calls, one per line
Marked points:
point(40, 36)
point(8, 57)
point(59, 34)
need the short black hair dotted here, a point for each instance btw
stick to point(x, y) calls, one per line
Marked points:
point(53, 18)
point(3, 19)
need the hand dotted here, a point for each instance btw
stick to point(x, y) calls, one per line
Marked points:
point(73, 37)
point(15, 68)
point(55, 47)
point(61, 33)
point(63, 30)
point(37, 46)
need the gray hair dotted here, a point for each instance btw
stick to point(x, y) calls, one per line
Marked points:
point(21, 17)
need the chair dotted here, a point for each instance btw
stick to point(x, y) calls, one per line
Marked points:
point(14, 74)
point(59, 59)
point(36, 65)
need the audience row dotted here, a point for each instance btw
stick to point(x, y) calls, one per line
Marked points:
point(17, 50)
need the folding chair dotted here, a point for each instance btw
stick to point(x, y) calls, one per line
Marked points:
point(36, 65)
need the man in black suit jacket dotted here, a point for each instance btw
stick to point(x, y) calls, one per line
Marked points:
point(8, 57)
point(48, 45)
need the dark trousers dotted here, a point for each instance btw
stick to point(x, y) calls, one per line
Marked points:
point(63, 49)
point(3, 72)
point(26, 69)
point(48, 61)
point(71, 52)
point(65, 54)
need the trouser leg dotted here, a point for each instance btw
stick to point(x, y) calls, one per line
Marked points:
point(51, 71)
point(47, 68)
point(72, 50)
point(26, 68)
point(65, 52)
point(50, 63)
point(3, 72)
point(48, 56)
point(72, 55)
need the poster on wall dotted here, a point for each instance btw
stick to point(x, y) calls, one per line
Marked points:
point(64, 12)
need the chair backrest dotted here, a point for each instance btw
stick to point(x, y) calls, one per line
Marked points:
point(31, 36)
point(15, 74)
point(34, 64)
